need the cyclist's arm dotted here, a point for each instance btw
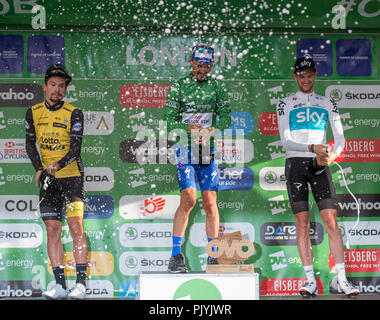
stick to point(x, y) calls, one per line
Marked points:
point(30, 141)
point(336, 128)
point(223, 108)
point(76, 134)
point(172, 109)
point(283, 126)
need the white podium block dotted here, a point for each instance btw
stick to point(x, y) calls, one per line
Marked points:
point(198, 286)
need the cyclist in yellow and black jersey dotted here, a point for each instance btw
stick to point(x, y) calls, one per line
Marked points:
point(58, 130)
point(56, 127)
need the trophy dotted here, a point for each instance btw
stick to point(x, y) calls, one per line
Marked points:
point(230, 253)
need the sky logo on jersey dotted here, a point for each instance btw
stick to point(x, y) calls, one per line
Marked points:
point(308, 118)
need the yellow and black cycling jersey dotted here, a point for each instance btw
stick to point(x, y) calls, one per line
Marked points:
point(58, 131)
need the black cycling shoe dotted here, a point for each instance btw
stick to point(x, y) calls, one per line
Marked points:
point(211, 260)
point(177, 264)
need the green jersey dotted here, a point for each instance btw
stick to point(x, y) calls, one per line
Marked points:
point(190, 101)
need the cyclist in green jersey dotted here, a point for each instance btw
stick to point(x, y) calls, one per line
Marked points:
point(199, 106)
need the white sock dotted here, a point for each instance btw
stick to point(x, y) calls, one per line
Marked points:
point(341, 271)
point(309, 271)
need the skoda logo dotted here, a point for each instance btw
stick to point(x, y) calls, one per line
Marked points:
point(131, 233)
point(336, 95)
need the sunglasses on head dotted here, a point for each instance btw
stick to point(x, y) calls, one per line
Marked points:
point(208, 49)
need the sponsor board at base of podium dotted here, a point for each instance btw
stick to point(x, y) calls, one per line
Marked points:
point(198, 286)
point(225, 280)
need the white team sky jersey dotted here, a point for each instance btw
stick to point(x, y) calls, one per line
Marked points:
point(303, 119)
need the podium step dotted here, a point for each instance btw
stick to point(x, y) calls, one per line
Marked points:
point(198, 286)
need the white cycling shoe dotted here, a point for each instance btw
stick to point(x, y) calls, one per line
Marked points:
point(57, 292)
point(309, 289)
point(78, 292)
point(347, 288)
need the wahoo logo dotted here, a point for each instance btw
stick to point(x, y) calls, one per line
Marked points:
point(308, 118)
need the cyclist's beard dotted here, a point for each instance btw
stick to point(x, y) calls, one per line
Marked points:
point(201, 76)
point(307, 89)
point(55, 98)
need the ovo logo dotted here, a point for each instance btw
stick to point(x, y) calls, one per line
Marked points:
point(234, 249)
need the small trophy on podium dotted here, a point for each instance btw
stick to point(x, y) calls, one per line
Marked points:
point(230, 250)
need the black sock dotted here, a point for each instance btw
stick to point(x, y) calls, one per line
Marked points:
point(59, 274)
point(81, 273)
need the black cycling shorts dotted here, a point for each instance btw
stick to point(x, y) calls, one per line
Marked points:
point(61, 192)
point(299, 173)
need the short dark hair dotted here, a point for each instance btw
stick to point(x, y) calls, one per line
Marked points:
point(57, 70)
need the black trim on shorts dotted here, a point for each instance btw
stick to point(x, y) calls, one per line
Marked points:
point(61, 192)
point(299, 172)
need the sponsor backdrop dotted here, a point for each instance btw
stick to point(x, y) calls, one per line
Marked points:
point(121, 80)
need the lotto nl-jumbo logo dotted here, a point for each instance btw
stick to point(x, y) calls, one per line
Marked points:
point(308, 118)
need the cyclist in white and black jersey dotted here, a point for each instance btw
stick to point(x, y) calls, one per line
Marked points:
point(303, 120)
